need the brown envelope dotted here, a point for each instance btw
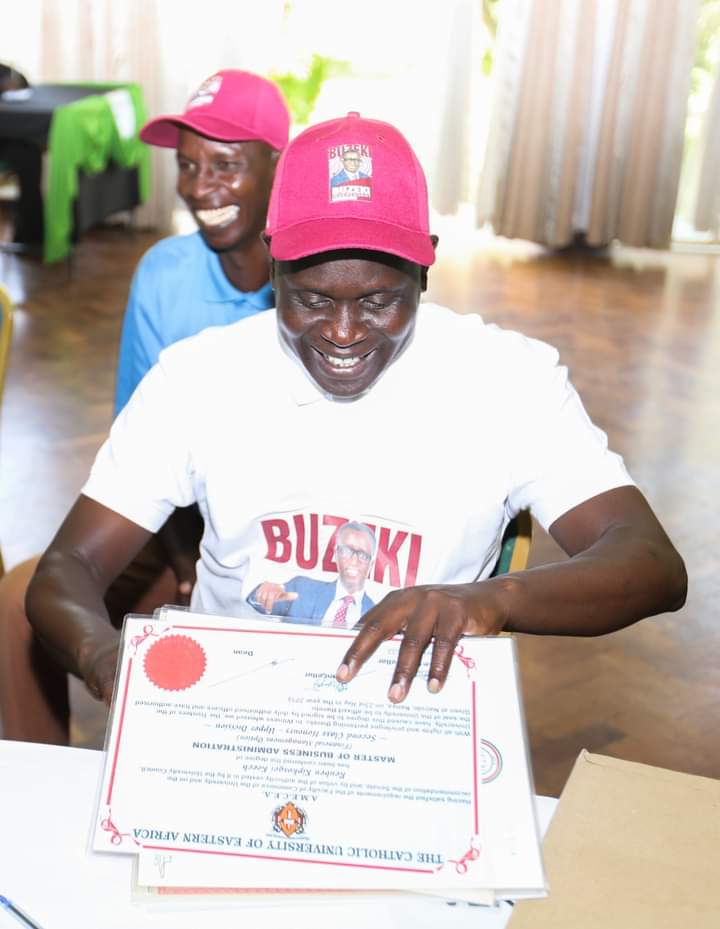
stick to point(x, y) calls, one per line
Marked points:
point(630, 847)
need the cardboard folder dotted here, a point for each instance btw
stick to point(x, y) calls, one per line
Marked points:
point(630, 847)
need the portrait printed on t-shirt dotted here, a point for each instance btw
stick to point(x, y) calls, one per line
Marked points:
point(329, 569)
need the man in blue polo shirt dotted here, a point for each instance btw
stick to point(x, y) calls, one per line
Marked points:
point(227, 143)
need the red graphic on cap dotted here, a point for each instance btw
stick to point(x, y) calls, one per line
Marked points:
point(175, 662)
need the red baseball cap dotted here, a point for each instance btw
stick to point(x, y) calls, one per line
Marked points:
point(349, 183)
point(230, 106)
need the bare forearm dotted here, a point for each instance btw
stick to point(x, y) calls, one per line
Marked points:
point(65, 599)
point(66, 608)
point(612, 584)
point(622, 568)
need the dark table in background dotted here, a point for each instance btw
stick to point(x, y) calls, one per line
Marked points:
point(118, 179)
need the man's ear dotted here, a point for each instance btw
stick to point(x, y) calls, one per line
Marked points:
point(424, 271)
point(274, 156)
point(271, 261)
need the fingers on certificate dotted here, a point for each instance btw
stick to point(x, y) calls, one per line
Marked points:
point(424, 616)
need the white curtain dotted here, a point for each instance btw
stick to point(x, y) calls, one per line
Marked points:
point(450, 175)
point(707, 199)
point(402, 56)
point(588, 125)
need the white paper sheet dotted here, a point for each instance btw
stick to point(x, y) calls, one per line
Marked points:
point(47, 803)
point(46, 798)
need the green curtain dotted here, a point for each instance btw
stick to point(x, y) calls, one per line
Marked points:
point(83, 136)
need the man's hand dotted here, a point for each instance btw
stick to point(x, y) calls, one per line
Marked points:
point(180, 537)
point(622, 568)
point(184, 569)
point(440, 614)
point(268, 593)
point(98, 665)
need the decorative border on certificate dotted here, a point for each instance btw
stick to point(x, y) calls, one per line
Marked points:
point(164, 667)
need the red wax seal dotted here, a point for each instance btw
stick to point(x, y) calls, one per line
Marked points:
point(175, 662)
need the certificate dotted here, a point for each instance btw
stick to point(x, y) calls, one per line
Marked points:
point(234, 756)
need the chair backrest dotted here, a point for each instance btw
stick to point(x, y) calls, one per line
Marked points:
point(6, 324)
point(515, 546)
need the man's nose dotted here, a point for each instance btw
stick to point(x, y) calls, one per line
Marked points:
point(202, 182)
point(345, 326)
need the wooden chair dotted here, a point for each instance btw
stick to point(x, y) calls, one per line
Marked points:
point(6, 324)
point(515, 548)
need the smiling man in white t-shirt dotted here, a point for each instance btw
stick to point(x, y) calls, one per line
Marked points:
point(355, 401)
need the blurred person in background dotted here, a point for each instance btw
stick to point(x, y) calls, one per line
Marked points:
point(227, 143)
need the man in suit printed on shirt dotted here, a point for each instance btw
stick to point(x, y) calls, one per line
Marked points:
point(341, 603)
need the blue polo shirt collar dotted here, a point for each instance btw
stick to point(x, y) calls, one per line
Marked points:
point(218, 288)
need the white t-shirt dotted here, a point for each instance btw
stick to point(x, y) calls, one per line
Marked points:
point(470, 425)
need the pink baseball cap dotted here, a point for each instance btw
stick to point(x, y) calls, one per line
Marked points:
point(230, 106)
point(349, 183)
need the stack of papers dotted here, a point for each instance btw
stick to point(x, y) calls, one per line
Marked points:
point(237, 767)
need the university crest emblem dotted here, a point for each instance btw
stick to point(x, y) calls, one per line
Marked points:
point(289, 819)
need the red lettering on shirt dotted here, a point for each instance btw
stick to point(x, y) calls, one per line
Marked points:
point(413, 560)
point(310, 559)
point(277, 536)
point(328, 562)
point(386, 557)
point(299, 541)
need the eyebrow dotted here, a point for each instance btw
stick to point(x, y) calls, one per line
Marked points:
point(226, 151)
point(298, 288)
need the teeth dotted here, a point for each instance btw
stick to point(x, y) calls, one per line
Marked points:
point(219, 217)
point(341, 362)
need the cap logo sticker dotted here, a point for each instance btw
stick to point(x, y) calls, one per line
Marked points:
point(205, 93)
point(350, 171)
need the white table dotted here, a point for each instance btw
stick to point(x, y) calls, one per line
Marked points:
point(47, 802)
